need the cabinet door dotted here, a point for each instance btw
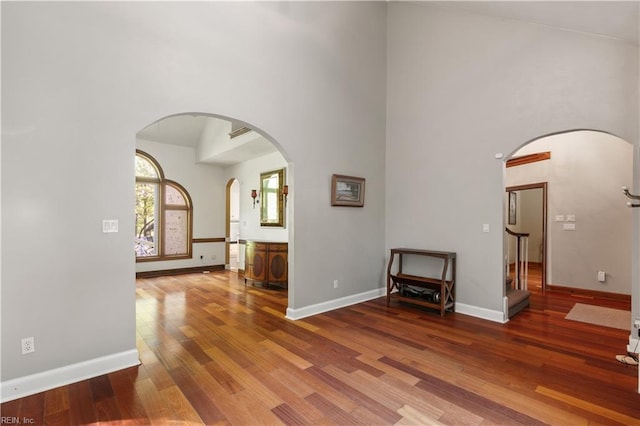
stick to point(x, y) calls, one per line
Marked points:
point(278, 266)
point(249, 251)
point(255, 262)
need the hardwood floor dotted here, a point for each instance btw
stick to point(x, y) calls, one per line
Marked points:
point(216, 352)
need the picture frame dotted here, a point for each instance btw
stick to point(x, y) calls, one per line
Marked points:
point(513, 203)
point(347, 191)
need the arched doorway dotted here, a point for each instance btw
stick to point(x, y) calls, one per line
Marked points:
point(589, 231)
point(218, 159)
point(232, 233)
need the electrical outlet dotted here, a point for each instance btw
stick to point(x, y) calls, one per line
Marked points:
point(28, 345)
point(335, 283)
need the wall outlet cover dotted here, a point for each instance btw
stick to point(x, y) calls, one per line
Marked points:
point(28, 345)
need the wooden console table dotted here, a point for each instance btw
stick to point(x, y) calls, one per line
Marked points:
point(266, 262)
point(433, 292)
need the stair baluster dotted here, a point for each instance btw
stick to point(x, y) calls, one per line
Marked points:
point(521, 258)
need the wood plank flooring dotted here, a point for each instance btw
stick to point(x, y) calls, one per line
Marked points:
point(216, 352)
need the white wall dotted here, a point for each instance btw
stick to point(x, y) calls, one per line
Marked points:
point(585, 174)
point(80, 79)
point(206, 186)
point(462, 88)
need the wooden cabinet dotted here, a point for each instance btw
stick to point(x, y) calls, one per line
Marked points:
point(438, 291)
point(266, 262)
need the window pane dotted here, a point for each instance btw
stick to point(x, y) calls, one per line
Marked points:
point(176, 224)
point(145, 168)
point(173, 196)
point(146, 219)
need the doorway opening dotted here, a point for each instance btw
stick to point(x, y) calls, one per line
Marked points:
point(574, 181)
point(216, 158)
point(531, 219)
point(232, 237)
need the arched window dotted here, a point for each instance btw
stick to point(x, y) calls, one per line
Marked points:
point(164, 202)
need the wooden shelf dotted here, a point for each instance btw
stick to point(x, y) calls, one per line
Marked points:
point(415, 279)
point(443, 287)
point(415, 301)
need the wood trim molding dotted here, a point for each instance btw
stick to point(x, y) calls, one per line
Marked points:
point(179, 271)
point(209, 240)
point(588, 294)
point(531, 158)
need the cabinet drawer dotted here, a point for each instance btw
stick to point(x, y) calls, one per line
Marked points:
point(278, 247)
point(256, 246)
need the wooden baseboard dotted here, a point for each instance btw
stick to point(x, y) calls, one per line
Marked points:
point(179, 271)
point(580, 292)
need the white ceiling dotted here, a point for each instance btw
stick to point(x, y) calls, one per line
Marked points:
point(617, 19)
point(186, 130)
point(183, 130)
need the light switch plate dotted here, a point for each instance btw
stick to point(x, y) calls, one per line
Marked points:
point(109, 225)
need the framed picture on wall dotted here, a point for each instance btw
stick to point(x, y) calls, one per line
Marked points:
point(347, 191)
point(513, 205)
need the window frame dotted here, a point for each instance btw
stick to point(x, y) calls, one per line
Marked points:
point(163, 207)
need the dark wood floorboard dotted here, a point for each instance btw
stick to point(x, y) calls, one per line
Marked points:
point(215, 351)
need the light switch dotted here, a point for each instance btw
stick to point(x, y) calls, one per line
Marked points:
point(569, 226)
point(571, 218)
point(559, 218)
point(109, 225)
point(485, 227)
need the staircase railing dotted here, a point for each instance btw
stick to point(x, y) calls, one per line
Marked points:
point(521, 261)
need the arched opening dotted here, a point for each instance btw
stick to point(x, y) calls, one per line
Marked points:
point(232, 232)
point(219, 160)
point(585, 240)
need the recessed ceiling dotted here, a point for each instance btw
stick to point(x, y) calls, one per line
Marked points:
point(187, 130)
point(183, 130)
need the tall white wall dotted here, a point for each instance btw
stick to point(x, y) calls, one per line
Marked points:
point(462, 88)
point(585, 174)
point(80, 79)
point(206, 187)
